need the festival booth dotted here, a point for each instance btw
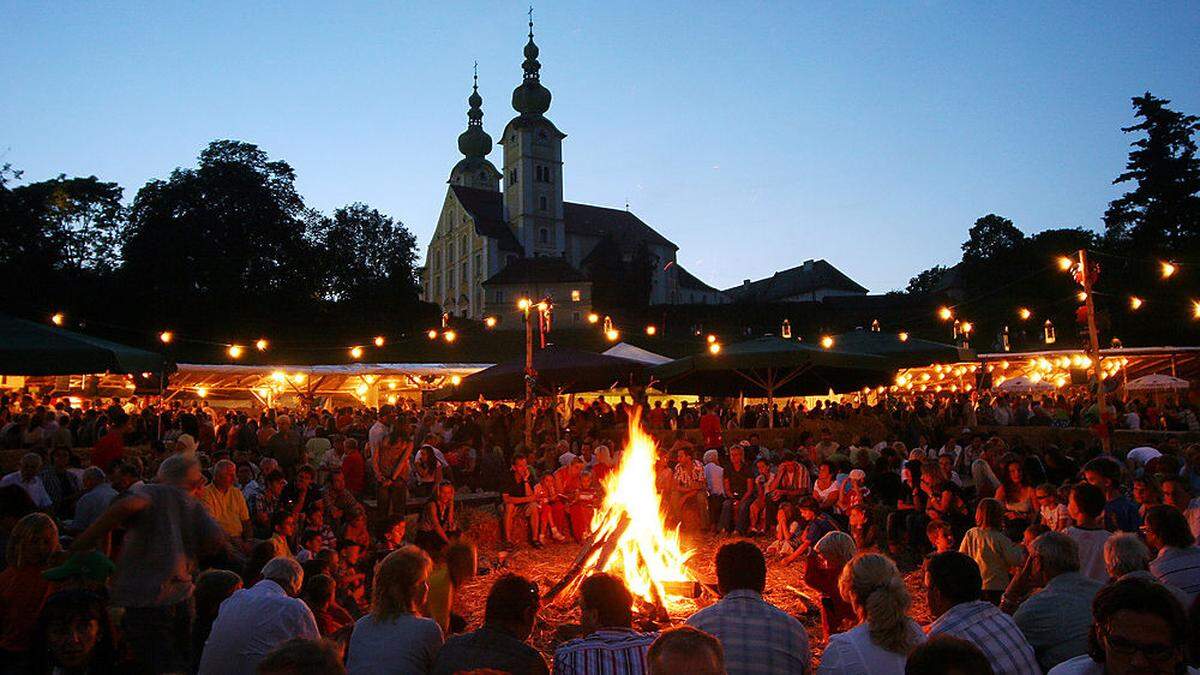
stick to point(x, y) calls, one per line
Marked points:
point(772, 367)
point(363, 383)
point(48, 359)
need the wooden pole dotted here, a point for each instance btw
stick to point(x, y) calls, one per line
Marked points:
point(1093, 344)
point(528, 381)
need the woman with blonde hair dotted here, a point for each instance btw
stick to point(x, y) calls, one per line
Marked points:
point(23, 590)
point(882, 640)
point(393, 638)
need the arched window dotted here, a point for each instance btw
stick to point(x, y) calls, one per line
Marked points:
point(542, 203)
point(543, 236)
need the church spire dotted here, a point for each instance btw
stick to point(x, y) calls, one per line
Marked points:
point(530, 97)
point(475, 143)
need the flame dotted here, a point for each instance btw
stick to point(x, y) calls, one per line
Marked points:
point(647, 554)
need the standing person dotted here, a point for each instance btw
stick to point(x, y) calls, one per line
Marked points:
point(954, 588)
point(1178, 561)
point(391, 467)
point(710, 427)
point(254, 621)
point(111, 448)
point(606, 612)
point(501, 643)
point(757, 636)
point(1139, 628)
point(394, 638)
point(166, 531)
point(991, 549)
point(353, 468)
point(1086, 508)
point(882, 640)
point(1056, 619)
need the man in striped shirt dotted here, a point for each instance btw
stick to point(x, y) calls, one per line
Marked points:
point(613, 647)
point(757, 636)
point(954, 586)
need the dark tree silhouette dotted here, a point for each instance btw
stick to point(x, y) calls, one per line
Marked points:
point(1163, 211)
point(927, 281)
point(365, 256)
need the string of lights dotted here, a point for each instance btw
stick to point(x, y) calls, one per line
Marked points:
point(613, 330)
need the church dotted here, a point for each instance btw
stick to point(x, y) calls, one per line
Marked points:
point(506, 235)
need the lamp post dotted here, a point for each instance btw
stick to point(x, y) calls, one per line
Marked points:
point(525, 306)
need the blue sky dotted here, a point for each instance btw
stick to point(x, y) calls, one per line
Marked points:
point(754, 136)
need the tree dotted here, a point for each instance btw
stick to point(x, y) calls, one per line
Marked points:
point(1163, 211)
point(992, 237)
point(225, 239)
point(366, 256)
point(927, 281)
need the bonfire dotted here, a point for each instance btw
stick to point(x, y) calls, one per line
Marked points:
point(629, 536)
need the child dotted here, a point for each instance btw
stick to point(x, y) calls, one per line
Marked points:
point(862, 527)
point(552, 516)
point(351, 589)
point(785, 527)
point(991, 549)
point(316, 521)
point(940, 535)
point(1051, 511)
point(392, 539)
point(310, 546)
point(758, 507)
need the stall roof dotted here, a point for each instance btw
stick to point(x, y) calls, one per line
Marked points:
point(30, 348)
point(624, 350)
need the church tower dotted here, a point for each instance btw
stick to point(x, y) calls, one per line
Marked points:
point(533, 193)
point(474, 170)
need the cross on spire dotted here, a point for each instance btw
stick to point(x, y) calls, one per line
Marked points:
point(476, 77)
point(531, 22)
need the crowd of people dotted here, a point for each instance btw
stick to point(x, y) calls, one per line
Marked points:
point(187, 539)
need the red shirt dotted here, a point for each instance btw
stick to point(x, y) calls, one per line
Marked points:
point(109, 449)
point(710, 428)
point(354, 469)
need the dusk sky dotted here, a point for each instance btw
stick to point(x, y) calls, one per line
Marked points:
point(753, 136)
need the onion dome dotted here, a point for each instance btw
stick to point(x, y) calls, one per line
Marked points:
point(530, 97)
point(475, 142)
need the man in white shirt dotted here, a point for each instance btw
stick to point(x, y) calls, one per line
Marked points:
point(98, 494)
point(1086, 508)
point(27, 477)
point(378, 433)
point(254, 621)
point(1139, 457)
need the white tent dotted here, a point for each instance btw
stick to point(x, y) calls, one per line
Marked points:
point(627, 351)
point(1157, 382)
point(1024, 385)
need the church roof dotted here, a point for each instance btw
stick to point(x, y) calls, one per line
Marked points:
point(688, 280)
point(812, 276)
point(536, 270)
point(598, 221)
point(487, 210)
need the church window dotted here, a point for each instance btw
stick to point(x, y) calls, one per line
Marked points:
point(542, 203)
point(478, 264)
point(512, 176)
point(543, 236)
point(437, 286)
point(575, 295)
point(450, 257)
point(465, 275)
point(499, 296)
point(466, 246)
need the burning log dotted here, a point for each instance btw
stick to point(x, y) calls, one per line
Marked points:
point(604, 542)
